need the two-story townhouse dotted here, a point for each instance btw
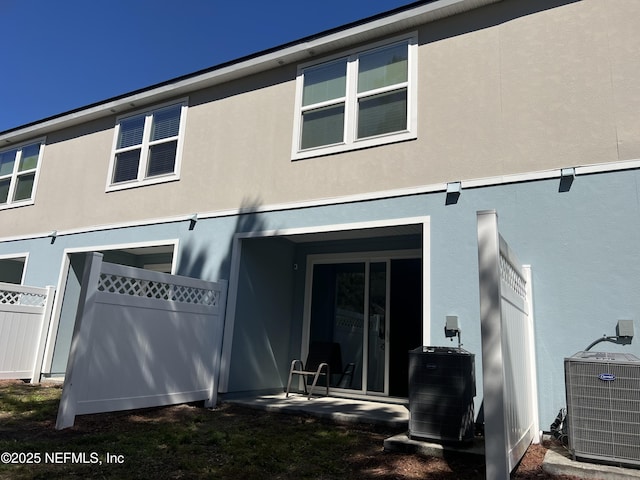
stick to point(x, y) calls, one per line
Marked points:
point(314, 177)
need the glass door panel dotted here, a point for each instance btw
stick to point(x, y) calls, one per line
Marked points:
point(337, 315)
point(377, 331)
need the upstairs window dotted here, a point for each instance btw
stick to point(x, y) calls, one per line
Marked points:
point(358, 100)
point(147, 147)
point(18, 174)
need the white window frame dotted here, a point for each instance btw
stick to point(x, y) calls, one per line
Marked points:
point(351, 142)
point(145, 148)
point(15, 174)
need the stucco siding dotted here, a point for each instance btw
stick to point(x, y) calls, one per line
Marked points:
point(557, 97)
point(624, 45)
point(237, 147)
point(534, 92)
point(514, 87)
point(460, 122)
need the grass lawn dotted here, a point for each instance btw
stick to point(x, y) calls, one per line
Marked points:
point(185, 442)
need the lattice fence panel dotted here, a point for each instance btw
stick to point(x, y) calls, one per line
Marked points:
point(8, 297)
point(512, 278)
point(158, 290)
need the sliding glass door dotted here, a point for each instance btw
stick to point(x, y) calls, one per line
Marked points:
point(350, 305)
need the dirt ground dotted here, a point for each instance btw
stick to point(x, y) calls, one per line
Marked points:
point(454, 466)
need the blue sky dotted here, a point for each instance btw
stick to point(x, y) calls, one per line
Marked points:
point(58, 55)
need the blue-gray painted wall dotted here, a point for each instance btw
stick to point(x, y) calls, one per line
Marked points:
point(582, 245)
point(261, 338)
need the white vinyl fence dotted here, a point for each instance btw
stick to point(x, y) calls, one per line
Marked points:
point(142, 339)
point(508, 354)
point(25, 314)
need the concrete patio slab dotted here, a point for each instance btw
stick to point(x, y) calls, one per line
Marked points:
point(343, 410)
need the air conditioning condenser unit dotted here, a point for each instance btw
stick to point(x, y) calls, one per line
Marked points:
point(441, 390)
point(603, 407)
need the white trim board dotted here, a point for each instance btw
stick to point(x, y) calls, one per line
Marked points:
point(321, 202)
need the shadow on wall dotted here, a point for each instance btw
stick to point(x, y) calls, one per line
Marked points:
point(261, 310)
point(260, 318)
point(486, 17)
point(194, 260)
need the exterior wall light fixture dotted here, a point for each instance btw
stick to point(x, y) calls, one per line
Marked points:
point(567, 176)
point(193, 219)
point(453, 192)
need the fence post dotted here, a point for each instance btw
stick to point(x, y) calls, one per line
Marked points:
point(78, 359)
point(532, 346)
point(217, 351)
point(491, 327)
point(42, 339)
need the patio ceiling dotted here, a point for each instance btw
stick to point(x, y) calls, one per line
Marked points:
point(352, 234)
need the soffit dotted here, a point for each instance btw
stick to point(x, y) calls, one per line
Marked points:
point(148, 250)
point(361, 233)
